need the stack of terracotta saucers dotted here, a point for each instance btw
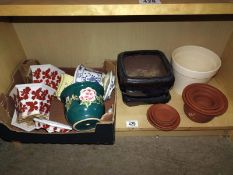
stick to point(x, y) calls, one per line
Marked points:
point(163, 117)
point(203, 102)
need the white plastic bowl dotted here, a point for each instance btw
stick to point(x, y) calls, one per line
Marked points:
point(193, 64)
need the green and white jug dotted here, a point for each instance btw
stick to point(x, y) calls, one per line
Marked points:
point(84, 104)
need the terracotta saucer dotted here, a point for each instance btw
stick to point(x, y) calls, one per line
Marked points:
point(205, 99)
point(163, 117)
point(157, 122)
point(164, 128)
point(164, 114)
point(166, 122)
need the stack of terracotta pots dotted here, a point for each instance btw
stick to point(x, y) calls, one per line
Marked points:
point(163, 117)
point(203, 102)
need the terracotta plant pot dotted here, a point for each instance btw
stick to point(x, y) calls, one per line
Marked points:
point(206, 99)
point(32, 99)
point(196, 116)
point(203, 101)
point(47, 74)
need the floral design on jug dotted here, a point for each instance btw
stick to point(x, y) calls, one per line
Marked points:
point(69, 101)
point(87, 97)
point(87, 94)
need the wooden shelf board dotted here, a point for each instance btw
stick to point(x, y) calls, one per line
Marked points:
point(177, 133)
point(113, 8)
point(66, 2)
point(124, 113)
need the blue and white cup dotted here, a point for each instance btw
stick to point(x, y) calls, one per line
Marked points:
point(83, 74)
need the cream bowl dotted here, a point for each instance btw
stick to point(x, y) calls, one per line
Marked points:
point(193, 64)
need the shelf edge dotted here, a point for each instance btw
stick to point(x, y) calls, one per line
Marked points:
point(117, 10)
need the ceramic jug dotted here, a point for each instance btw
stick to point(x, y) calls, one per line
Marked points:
point(84, 104)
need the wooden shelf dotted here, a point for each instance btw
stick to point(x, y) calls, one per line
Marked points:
point(124, 113)
point(113, 7)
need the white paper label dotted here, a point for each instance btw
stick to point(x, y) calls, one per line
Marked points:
point(149, 2)
point(132, 124)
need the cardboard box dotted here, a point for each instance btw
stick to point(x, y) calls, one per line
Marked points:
point(103, 134)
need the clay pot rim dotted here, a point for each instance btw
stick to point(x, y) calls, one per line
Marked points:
point(209, 95)
point(203, 119)
point(211, 111)
point(205, 92)
point(219, 111)
point(201, 87)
